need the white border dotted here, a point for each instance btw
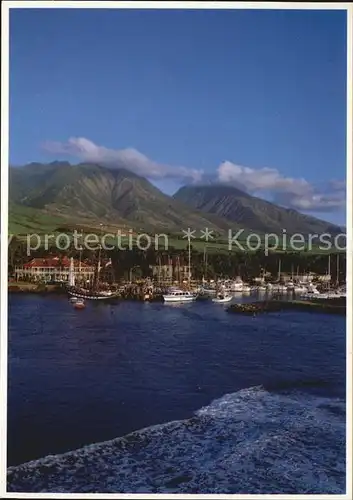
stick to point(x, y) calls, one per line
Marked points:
point(6, 5)
point(4, 236)
point(94, 4)
point(349, 257)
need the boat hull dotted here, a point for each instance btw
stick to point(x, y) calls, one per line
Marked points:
point(80, 295)
point(167, 298)
point(79, 306)
point(222, 301)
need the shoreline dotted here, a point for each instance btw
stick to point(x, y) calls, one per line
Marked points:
point(32, 289)
point(331, 306)
point(35, 289)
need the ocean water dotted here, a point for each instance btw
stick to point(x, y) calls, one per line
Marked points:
point(174, 398)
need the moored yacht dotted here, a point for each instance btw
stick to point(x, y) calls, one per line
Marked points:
point(207, 288)
point(261, 288)
point(178, 295)
point(237, 285)
point(311, 291)
point(342, 291)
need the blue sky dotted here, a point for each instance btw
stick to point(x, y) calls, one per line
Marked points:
point(251, 98)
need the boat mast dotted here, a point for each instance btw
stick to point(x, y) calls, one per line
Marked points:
point(205, 262)
point(329, 271)
point(97, 270)
point(159, 270)
point(189, 251)
point(338, 269)
point(279, 270)
point(72, 273)
point(96, 284)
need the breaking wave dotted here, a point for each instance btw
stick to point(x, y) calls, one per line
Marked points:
point(251, 441)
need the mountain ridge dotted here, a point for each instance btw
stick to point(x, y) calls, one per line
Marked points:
point(259, 214)
point(119, 196)
point(108, 194)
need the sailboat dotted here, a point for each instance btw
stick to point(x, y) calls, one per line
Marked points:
point(311, 291)
point(222, 295)
point(290, 283)
point(330, 292)
point(92, 293)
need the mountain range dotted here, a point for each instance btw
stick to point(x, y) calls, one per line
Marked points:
point(250, 211)
point(93, 194)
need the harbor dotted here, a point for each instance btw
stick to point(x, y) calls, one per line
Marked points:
point(301, 291)
point(172, 279)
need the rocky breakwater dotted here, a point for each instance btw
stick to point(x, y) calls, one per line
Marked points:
point(332, 306)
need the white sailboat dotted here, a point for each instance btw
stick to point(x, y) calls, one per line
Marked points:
point(177, 295)
point(261, 287)
point(290, 286)
point(342, 291)
point(278, 286)
point(311, 291)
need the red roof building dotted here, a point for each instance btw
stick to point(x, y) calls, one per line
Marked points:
point(53, 269)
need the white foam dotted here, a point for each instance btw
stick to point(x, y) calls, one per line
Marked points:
point(251, 441)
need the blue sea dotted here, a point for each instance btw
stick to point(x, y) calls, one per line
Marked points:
point(161, 398)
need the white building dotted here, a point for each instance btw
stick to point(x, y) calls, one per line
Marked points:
point(53, 269)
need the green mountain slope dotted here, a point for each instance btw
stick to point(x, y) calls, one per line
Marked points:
point(249, 211)
point(90, 194)
point(110, 196)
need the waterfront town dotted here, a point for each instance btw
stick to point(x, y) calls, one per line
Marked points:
point(180, 277)
point(56, 270)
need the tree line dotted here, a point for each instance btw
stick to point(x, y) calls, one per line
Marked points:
point(214, 265)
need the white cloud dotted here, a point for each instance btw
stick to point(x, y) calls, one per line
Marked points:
point(259, 180)
point(291, 192)
point(128, 158)
point(314, 202)
point(288, 191)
